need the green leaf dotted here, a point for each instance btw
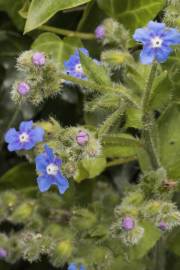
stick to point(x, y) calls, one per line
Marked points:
point(59, 49)
point(90, 168)
point(19, 177)
point(132, 13)
point(12, 10)
point(119, 151)
point(41, 11)
point(151, 236)
point(121, 264)
point(169, 140)
point(173, 241)
point(161, 91)
point(133, 118)
point(120, 139)
point(94, 71)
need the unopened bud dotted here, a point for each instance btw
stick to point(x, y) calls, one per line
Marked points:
point(82, 138)
point(128, 223)
point(23, 88)
point(100, 32)
point(38, 59)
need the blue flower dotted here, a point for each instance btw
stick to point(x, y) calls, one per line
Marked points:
point(24, 139)
point(73, 266)
point(73, 66)
point(49, 167)
point(156, 39)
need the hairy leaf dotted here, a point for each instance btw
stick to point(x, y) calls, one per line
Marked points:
point(169, 140)
point(94, 70)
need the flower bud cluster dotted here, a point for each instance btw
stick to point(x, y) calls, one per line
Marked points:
point(111, 32)
point(172, 13)
point(135, 209)
point(73, 144)
point(164, 215)
point(127, 226)
point(39, 78)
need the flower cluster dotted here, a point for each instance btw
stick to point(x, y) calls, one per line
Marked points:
point(157, 40)
point(47, 164)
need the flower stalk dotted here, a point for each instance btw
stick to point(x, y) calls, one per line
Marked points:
point(147, 120)
point(69, 33)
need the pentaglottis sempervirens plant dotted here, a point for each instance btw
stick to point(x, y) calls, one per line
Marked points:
point(90, 141)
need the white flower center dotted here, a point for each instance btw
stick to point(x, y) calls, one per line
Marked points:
point(52, 169)
point(24, 137)
point(156, 42)
point(78, 68)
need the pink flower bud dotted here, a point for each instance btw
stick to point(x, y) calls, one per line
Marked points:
point(82, 138)
point(128, 223)
point(38, 59)
point(23, 88)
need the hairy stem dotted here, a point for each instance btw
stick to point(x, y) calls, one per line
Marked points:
point(121, 90)
point(147, 120)
point(110, 121)
point(159, 255)
point(69, 33)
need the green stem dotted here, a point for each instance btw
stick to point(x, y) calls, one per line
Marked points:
point(147, 120)
point(112, 119)
point(120, 161)
point(101, 88)
point(69, 33)
point(159, 255)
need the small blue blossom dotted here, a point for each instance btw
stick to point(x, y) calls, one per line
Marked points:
point(49, 167)
point(73, 266)
point(156, 39)
point(24, 139)
point(73, 66)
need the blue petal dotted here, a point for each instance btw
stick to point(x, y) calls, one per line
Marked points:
point(26, 126)
point(15, 146)
point(82, 267)
point(171, 37)
point(62, 183)
point(44, 183)
point(58, 161)
point(162, 54)
point(28, 145)
point(49, 152)
point(37, 134)
point(147, 55)
point(85, 51)
point(41, 163)
point(142, 35)
point(11, 135)
point(156, 28)
point(72, 266)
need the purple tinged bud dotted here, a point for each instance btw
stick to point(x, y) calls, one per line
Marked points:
point(38, 59)
point(82, 137)
point(23, 88)
point(163, 226)
point(100, 32)
point(3, 253)
point(128, 223)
